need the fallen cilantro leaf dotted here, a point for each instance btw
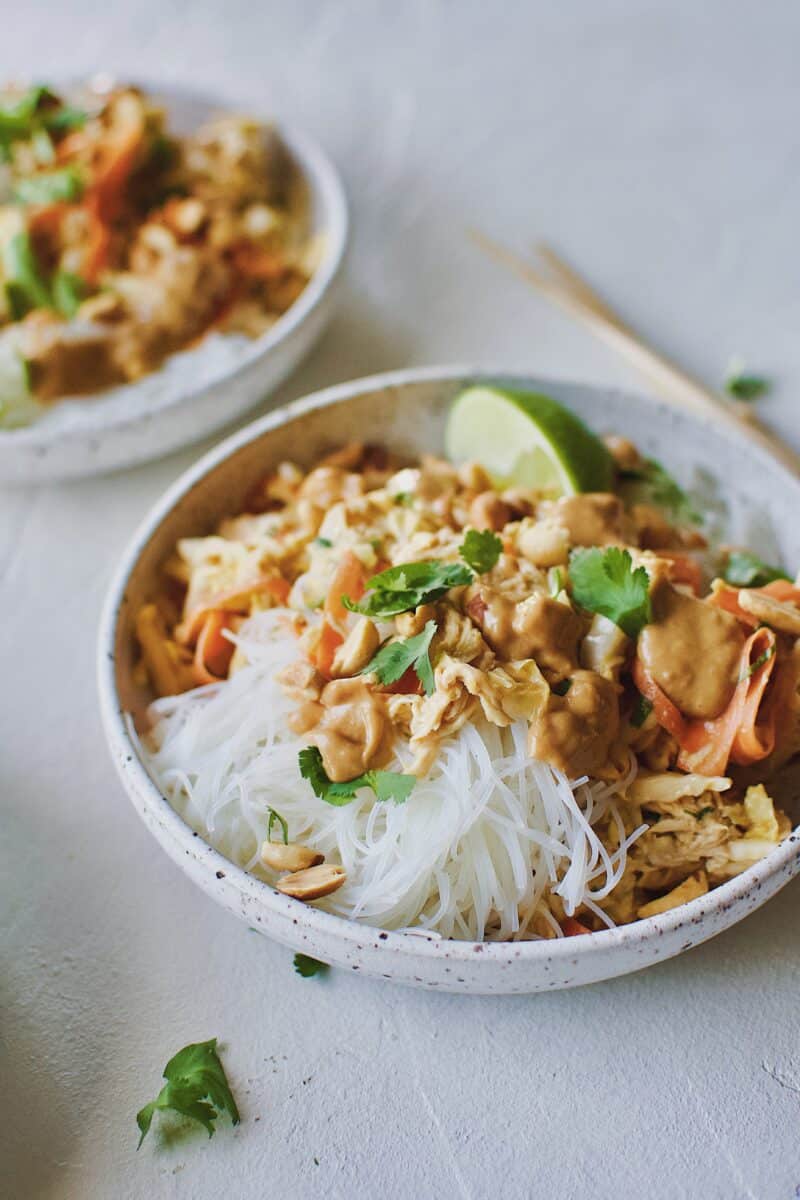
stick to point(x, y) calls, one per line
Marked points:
point(196, 1087)
point(744, 569)
point(326, 543)
point(743, 385)
point(481, 549)
point(641, 711)
point(387, 785)
point(407, 586)
point(273, 817)
point(308, 967)
point(393, 660)
point(604, 581)
point(652, 484)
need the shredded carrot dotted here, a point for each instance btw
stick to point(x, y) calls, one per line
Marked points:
point(348, 580)
point(95, 257)
point(274, 586)
point(727, 597)
point(572, 928)
point(213, 652)
point(666, 713)
point(737, 733)
point(322, 655)
point(108, 184)
point(47, 218)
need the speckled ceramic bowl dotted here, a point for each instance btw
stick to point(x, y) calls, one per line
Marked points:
point(406, 410)
point(201, 390)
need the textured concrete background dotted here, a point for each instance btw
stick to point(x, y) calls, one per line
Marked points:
point(657, 144)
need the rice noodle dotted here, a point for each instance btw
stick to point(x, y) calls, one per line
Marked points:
point(468, 855)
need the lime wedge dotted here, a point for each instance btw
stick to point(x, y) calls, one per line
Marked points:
point(17, 406)
point(524, 439)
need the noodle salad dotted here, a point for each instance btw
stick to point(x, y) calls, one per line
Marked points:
point(426, 698)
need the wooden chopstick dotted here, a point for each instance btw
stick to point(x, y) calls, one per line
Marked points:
point(563, 286)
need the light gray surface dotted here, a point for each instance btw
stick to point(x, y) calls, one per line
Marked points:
point(658, 145)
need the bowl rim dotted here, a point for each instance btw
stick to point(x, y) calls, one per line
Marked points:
point(783, 859)
point(325, 184)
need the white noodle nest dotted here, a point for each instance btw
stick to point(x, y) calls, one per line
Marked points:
point(468, 855)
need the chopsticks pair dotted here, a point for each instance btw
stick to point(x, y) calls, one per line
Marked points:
point(563, 286)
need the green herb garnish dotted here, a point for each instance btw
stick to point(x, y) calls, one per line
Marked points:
point(49, 187)
point(481, 549)
point(744, 385)
point(325, 542)
point(37, 111)
point(605, 581)
point(562, 687)
point(744, 569)
point(409, 585)
point(196, 1087)
point(759, 662)
point(406, 499)
point(641, 711)
point(387, 785)
point(273, 818)
point(308, 967)
point(25, 286)
point(394, 659)
point(652, 484)
point(709, 808)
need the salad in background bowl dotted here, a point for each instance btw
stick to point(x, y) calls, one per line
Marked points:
point(149, 250)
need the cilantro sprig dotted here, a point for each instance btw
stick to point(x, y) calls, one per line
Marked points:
point(196, 1087)
point(387, 785)
point(394, 659)
point(744, 569)
point(407, 586)
point(605, 581)
point(308, 967)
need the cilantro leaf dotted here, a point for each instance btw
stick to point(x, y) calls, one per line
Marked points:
point(652, 484)
point(744, 569)
point(481, 549)
point(393, 660)
point(743, 385)
point(196, 1087)
point(562, 687)
point(407, 586)
point(604, 581)
point(387, 785)
point(50, 186)
point(308, 967)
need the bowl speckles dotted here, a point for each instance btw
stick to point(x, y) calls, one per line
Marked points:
point(406, 410)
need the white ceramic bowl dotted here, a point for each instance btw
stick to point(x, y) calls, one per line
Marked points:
point(406, 410)
point(197, 391)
